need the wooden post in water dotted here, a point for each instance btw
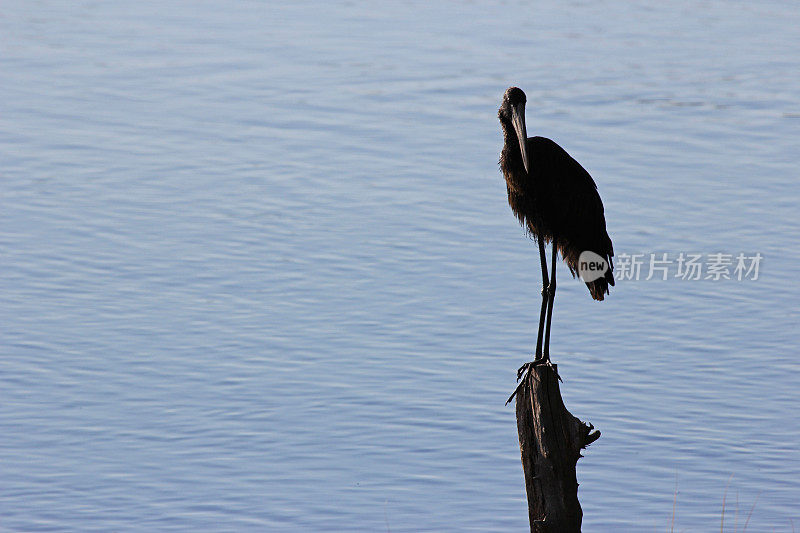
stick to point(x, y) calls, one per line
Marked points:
point(550, 441)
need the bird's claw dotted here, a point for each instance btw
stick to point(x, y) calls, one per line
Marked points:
point(530, 364)
point(516, 390)
point(521, 370)
point(526, 369)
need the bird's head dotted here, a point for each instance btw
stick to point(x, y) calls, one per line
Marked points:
point(512, 110)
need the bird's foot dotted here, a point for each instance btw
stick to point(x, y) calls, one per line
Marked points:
point(526, 369)
point(516, 390)
point(539, 361)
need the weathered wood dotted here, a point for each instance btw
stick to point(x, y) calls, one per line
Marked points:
point(550, 441)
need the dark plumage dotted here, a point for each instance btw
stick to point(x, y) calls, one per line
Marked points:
point(556, 200)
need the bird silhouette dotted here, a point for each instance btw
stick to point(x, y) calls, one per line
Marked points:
point(556, 201)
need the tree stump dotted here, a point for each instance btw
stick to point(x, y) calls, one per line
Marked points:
point(550, 441)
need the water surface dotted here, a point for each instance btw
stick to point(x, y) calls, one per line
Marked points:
point(259, 273)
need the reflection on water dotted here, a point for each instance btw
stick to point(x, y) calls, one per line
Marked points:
point(258, 270)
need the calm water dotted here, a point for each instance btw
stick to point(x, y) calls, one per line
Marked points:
point(257, 269)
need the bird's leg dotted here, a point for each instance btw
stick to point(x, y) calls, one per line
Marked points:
point(551, 294)
point(542, 311)
point(548, 296)
point(543, 260)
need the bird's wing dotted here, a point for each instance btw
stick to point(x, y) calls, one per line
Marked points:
point(577, 210)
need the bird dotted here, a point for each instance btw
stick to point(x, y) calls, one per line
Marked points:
point(556, 201)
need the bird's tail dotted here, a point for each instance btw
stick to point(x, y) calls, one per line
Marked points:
point(599, 287)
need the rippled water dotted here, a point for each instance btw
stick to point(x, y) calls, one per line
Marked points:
point(258, 271)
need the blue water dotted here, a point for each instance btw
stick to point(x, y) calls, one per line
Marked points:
point(258, 272)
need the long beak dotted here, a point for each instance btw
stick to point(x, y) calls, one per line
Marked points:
point(518, 119)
